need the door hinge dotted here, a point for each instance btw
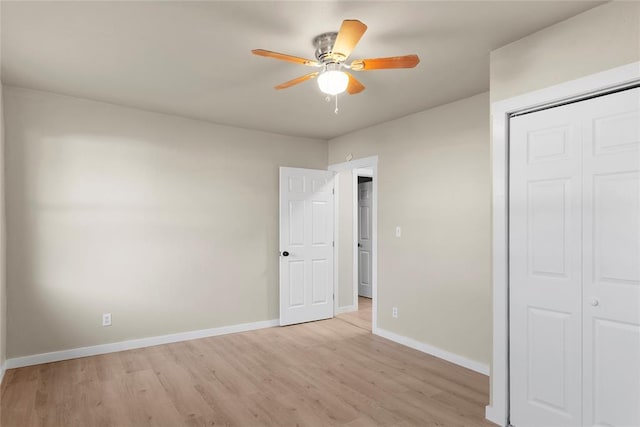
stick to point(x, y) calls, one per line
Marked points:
point(333, 191)
point(333, 244)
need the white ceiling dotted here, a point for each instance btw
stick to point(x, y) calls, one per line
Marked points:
point(193, 58)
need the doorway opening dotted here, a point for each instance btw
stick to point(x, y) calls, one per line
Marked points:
point(363, 254)
point(362, 317)
point(356, 238)
point(363, 195)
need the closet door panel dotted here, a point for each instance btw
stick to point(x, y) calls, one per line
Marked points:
point(545, 269)
point(611, 265)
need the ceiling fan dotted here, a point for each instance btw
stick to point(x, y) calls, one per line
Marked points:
point(332, 50)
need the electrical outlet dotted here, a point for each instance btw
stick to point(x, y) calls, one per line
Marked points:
point(398, 231)
point(394, 312)
point(106, 319)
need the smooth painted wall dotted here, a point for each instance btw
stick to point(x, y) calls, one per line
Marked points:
point(599, 39)
point(169, 224)
point(345, 239)
point(3, 283)
point(434, 182)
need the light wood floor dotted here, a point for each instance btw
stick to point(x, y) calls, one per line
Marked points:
point(327, 373)
point(362, 317)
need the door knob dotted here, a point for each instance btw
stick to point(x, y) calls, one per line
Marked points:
point(285, 253)
point(595, 302)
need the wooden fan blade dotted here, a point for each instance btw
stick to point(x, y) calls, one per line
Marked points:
point(297, 80)
point(285, 57)
point(354, 85)
point(407, 61)
point(348, 37)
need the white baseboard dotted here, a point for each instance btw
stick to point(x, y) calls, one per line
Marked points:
point(346, 309)
point(434, 351)
point(75, 353)
point(492, 416)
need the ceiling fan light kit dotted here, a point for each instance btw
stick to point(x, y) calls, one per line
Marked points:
point(331, 79)
point(333, 82)
point(332, 50)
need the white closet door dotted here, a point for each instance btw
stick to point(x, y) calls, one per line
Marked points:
point(611, 269)
point(545, 269)
point(575, 264)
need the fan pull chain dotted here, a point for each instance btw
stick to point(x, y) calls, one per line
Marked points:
point(336, 110)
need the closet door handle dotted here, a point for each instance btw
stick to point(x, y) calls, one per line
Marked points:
point(595, 302)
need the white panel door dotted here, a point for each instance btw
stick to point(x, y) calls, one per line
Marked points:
point(306, 245)
point(365, 190)
point(545, 270)
point(611, 269)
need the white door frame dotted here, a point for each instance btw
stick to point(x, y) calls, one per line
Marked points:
point(620, 77)
point(370, 165)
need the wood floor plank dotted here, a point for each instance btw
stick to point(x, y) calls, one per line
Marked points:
point(325, 373)
point(362, 317)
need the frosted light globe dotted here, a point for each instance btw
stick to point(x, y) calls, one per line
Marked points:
point(333, 82)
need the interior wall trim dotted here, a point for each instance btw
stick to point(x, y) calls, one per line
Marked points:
point(56, 356)
point(346, 309)
point(369, 163)
point(456, 359)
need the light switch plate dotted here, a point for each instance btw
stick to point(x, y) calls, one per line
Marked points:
point(106, 319)
point(398, 231)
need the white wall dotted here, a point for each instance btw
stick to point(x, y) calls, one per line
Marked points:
point(433, 182)
point(3, 287)
point(599, 39)
point(3, 283)
point(345, 239)
point(170, 224)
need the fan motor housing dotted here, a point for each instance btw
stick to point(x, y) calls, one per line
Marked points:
point(324, 45)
